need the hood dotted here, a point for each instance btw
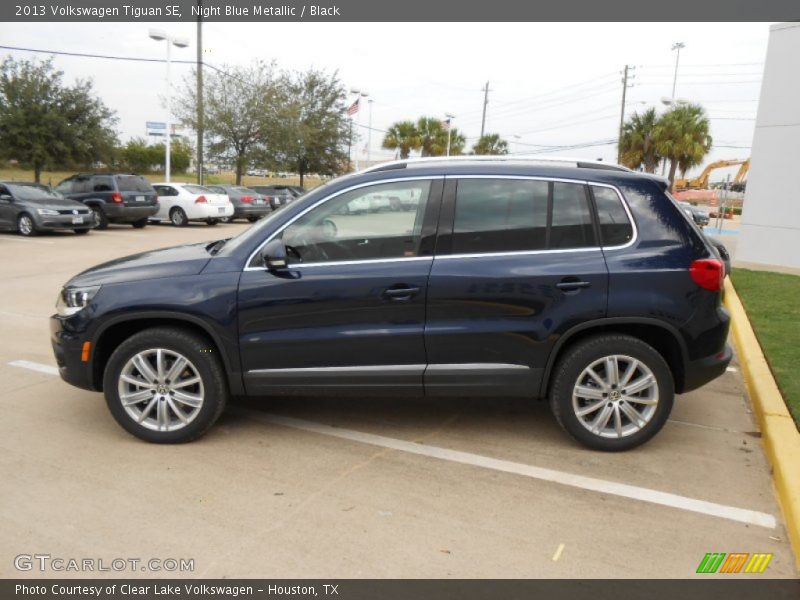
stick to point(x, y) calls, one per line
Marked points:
point(155, 264)
point(54, 203)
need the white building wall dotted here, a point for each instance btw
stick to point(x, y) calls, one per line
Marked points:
point(770, 231)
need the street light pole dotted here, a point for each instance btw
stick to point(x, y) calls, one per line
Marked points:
point(677, 46)
point(449, 129)
point(359, 94)
point(369, 134)
point(160, 36)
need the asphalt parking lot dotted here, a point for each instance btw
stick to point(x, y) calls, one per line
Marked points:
point(350, 488)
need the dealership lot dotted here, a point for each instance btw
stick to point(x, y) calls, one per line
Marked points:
point(347, 488)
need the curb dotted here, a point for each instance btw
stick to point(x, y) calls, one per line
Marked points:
point(779, 433)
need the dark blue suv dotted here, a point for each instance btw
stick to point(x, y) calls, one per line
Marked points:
point(582, 283)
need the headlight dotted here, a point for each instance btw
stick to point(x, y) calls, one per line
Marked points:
point(73, 300)
point(47, 212)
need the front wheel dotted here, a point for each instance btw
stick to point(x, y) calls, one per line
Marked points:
point(26, 226)
point(165, 385)
point(612, 392)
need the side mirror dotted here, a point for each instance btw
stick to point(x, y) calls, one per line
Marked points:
point(274, 256)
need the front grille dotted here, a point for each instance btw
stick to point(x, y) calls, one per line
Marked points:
point(74, 211)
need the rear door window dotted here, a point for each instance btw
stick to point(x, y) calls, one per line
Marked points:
point(572, 218)
point(133, 183)
point(102, 183)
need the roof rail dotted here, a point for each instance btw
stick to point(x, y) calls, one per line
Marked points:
point(521, 158)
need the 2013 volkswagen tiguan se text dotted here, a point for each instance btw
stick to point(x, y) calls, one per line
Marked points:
point(582, 283)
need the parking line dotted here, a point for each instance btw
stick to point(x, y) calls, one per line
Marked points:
point(732, 513)
point(613, 488)
point(33, 366)
point(25, 240)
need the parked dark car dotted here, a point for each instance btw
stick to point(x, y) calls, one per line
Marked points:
point(113, 197)
point(699, 216)
point(577, 282)
point(278, 195)
point(247, 203)
point(30, 208)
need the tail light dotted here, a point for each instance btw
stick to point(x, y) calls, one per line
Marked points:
point(200, 200)
point(708, 273)
point(116, 197)
point(246, 199)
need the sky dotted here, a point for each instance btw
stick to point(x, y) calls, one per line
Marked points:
point(555, 88)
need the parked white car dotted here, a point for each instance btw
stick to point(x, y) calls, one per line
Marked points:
point(180, 203)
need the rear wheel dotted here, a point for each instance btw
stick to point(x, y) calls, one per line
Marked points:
point(177, 217)
point(140, 223)
point(212, 221)
point(165, 385)
point(100, 220)
point(26, 226)
point(612, 392)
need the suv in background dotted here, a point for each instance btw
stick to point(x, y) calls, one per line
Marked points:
point(113, 197)
point(578, 282)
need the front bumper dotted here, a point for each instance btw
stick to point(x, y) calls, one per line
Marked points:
point(52, 222)
point(67, 347)
point(700, 372)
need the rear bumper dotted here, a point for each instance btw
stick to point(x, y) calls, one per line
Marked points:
point(700, 372)
point(252, 210)
point(67, 348)
point(205, 211)
point(118, 213)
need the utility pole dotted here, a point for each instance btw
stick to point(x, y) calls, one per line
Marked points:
point(200, 108)
point(677, 46)
point(625, 76)
point(485, 102)
point(369, 134)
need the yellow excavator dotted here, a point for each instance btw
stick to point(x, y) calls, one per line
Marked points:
point(701, 181)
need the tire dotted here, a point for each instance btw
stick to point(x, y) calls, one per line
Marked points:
point(226, 219)
point(140, 224)
point(212, 221)
point(177, 217)
point(253, 219)
point(201, 403)
point(100, 220)
point(652, 404)
point(26, 226)
point(81, 231)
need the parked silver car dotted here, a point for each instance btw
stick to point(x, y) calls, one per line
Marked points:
point(31, 208)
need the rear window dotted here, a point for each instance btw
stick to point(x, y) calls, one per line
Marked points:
point(133, 183)
point(615, 226)
point(198, 189)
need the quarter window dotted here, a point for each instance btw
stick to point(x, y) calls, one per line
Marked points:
point(572, 219)
point(376, 222)
point(615, 226)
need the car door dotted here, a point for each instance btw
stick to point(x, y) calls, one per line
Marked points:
point(517, 264)
point(348, 312)
point(8, 210)
point(166, 194)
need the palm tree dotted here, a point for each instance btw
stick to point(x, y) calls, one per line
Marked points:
point(402, 136)
point(431, 135)
point(682, 137)
point(491, 143)
point(637, 147)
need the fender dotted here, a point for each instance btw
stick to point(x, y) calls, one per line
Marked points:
point(233, 371)
point(605, 322)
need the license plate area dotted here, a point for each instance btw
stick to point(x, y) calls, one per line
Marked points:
point(77, 220)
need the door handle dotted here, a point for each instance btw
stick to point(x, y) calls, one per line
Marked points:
point(401, 293)
point(572, 285)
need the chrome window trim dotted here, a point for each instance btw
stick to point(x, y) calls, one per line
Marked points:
point(394, 368)
point(475, 366)
point(580, 181)
point(331, 197)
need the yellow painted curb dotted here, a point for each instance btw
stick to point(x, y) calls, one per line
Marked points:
point(778, 431)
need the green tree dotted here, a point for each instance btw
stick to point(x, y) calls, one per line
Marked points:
point(241, 109)
point(638, 142)
point(45, 122)
point(311, 132)
point(433, 138)
point(491, 143)
point(403, 137)
point(683, 138)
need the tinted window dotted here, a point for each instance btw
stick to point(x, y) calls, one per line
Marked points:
point(362, 224)
point(572, 217)
point(102, 184)
point(65, 187)
point(166, 190)
point(615, 227)
point(81, 185)
point(133, 183)
point(499, 215)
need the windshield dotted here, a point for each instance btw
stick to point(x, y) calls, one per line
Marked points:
point(32, 193)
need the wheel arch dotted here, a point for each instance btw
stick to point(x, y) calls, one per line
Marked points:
point(112, 333)
point(663, 337)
